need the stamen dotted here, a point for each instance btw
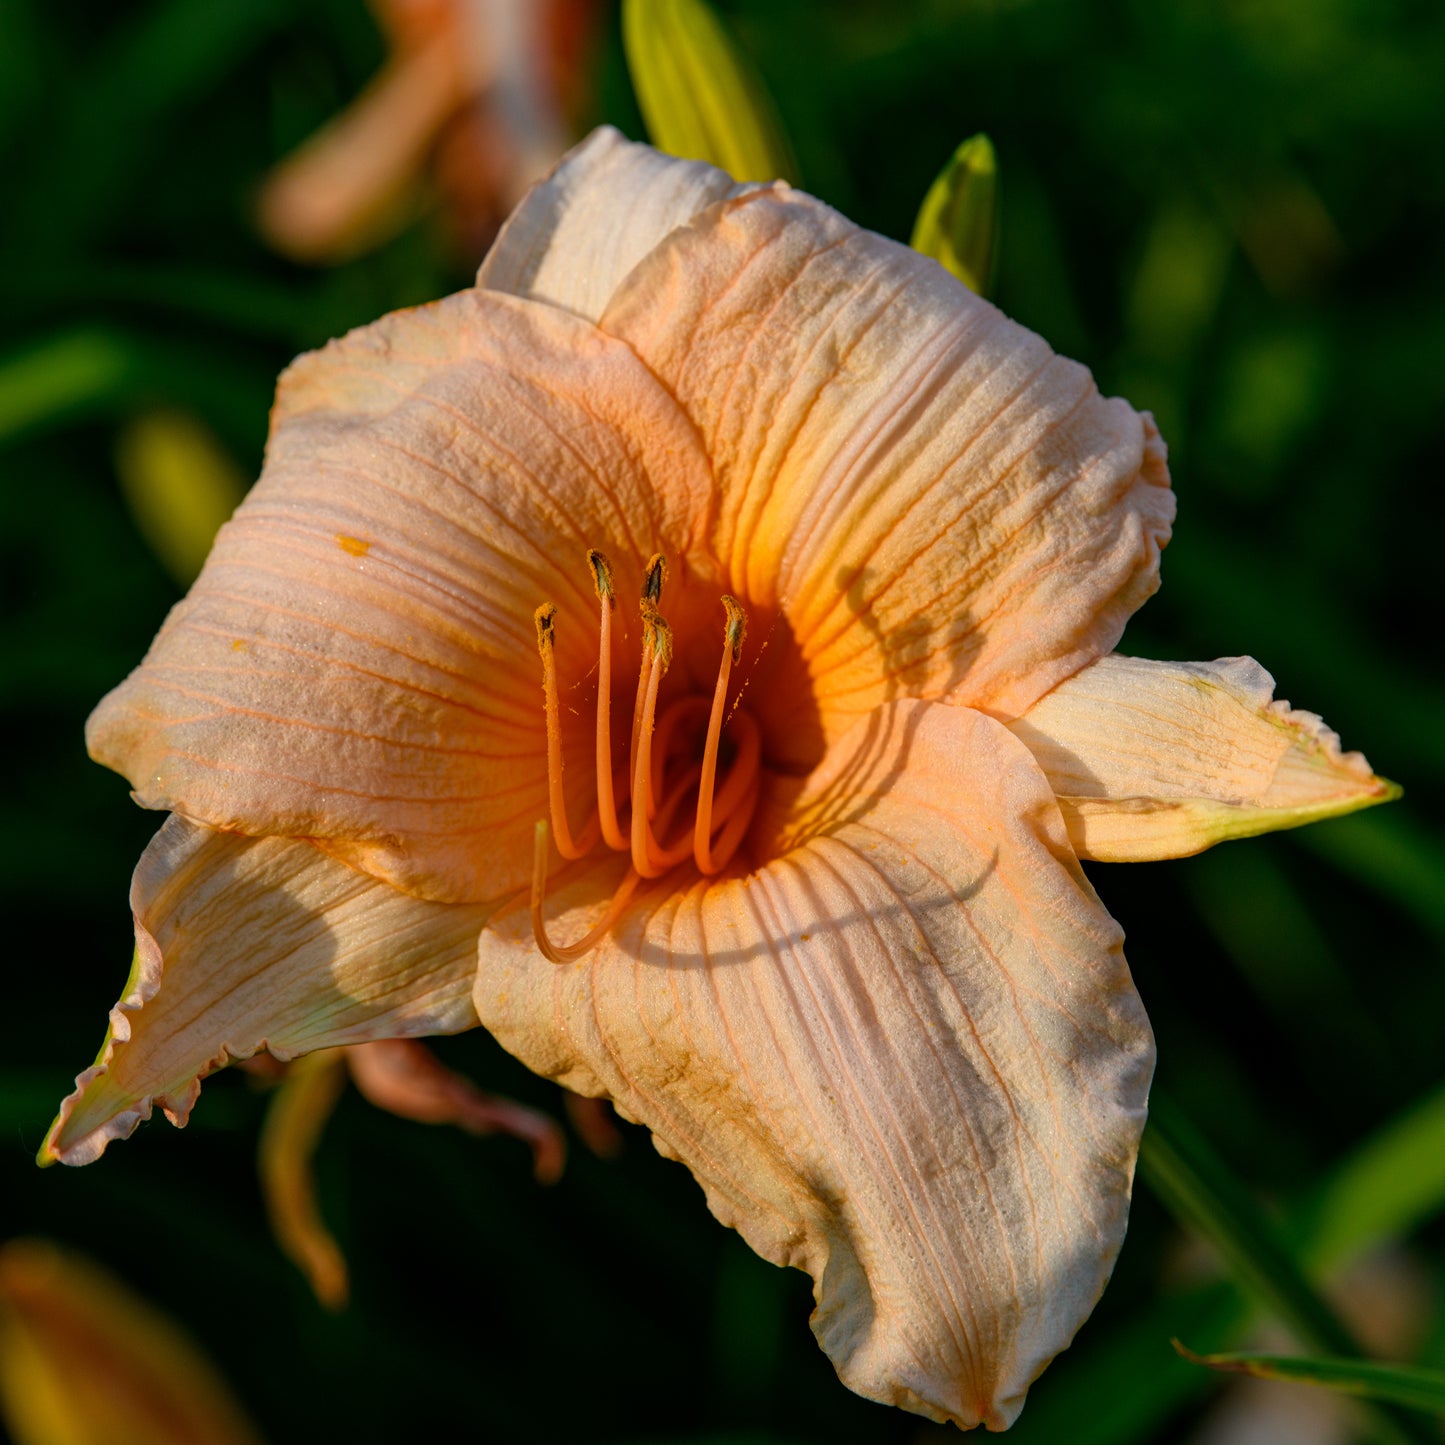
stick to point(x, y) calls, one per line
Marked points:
point(567, 952)
point(655, 576)
point(733, 630)
point(748, 739)
point(606, 799)
point(643, 845)
point(737, 826)
point(649, 615)
point(546, 620)
point(676, 716)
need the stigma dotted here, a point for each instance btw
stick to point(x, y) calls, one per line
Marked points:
point(666, 808)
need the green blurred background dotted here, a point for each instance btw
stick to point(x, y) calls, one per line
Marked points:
point(1233, 212)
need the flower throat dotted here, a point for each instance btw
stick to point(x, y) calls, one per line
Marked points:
point(721, 814)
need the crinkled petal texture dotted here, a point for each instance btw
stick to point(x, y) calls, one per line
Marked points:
point(905, 1055)
point(251, 943)
point(578, 233)
point(914, 496)
point(937, 504)
point(1162, 759)
point(357, 662)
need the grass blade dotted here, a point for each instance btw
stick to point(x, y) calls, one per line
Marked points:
point(1406, 1385)
point(1196, 1186)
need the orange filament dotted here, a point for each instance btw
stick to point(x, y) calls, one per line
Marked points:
point(546, 620)
point(567, 952)
point(606, 799)
point(723, 810)
point(733, 630)
point(643, 844)
point(649, 614)
point(682, 712)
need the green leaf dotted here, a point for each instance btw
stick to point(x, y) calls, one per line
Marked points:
point(1194, 1184)
point(1397, 1384)
point(59, 377)
point(1391, 1184)
point(957, 224)
point(701, 97)
point(1197, 1188)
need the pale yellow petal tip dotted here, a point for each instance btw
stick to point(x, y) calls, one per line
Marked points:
point(1146, 830)
point(47, 1154)
point(1153, 760)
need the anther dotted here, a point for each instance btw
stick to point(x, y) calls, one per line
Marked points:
point(736, 627)
point(653, 579)
point(601, 576)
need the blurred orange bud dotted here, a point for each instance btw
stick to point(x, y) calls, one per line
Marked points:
point(83, 1361)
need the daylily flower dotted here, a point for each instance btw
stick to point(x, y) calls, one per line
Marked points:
point(824, 559)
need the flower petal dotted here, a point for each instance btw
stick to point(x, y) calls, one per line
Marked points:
point(905, 1055)
point(250, 943)
point(938, 504)
point(299, 1112)
point(357, 662)
point(408, 1080)
point(1163, 759)
point(578, 233)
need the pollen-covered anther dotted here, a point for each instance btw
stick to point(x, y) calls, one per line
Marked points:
point(653, 579)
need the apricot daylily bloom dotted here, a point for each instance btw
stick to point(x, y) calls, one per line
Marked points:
point(819, 561)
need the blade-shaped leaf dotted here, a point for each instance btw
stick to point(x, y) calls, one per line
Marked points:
point(700, 95)
point(1197, 1188)
point(1397, 1384)
point(1392, 1183)
point(957, 224)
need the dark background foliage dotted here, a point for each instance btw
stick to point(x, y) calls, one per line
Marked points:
point(1232, 211)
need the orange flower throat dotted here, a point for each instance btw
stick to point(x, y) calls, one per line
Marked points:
point(720, 814)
